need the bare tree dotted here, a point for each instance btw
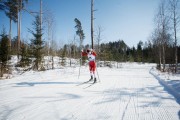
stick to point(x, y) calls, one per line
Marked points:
point(99, 39)
point(175, 18)
point(49, 21)
point(162, 21)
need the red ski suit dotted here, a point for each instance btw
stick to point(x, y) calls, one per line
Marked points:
point(91, 57)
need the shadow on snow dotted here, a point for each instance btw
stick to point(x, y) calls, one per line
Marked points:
point(31, 84)
point(147, 97)
point(123, 94)
point(171, 87)
point(60, 97)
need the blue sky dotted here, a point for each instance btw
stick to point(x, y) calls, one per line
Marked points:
point(128, 20)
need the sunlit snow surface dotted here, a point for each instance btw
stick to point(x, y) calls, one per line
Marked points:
point(131, 92)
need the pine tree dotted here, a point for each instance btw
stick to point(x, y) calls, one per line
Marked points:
point(4, 51)
point(63, 55)
point(139, 52)
point(79, 31)
point(25, 55)
point(81, 35)
point(2, 6)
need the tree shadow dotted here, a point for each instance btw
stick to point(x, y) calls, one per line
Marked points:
point(60, 97)
point(150, 96)
point(175, 84)
point(66, 96)
point(112, 95)
point(172, 87)
point(31, 84)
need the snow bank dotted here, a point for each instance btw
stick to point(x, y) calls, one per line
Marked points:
point(170, 81)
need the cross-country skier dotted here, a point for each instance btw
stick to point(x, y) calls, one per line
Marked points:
point(91, 54)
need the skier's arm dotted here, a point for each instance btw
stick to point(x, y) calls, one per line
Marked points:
point(94, 53)
point(83, 53)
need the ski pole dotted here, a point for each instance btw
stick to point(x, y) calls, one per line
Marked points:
point(80, 66)
point(79, 69)
point(98, 74)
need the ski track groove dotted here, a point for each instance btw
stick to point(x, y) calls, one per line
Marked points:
point(76, 109)
point(115, 90)
point(95, 101)
point(119, 99)
point(74, 113)
point(126, 108)
point(113, 95)
point(103, 99)
point(120, 104)
point(110, 97)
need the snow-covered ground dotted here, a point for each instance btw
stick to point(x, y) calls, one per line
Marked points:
point(170, 81)
point(131, 92)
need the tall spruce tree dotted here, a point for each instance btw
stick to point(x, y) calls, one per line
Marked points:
point(36, 43)
point(140, 52)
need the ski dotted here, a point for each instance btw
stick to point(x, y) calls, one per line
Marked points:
point(84, 82)
point(90, 85)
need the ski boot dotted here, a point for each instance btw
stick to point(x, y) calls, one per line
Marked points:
point(91, 78)
point(95, 80)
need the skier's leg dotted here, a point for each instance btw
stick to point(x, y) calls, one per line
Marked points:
point(91, 72)
point(95, 80)
point(94, 68)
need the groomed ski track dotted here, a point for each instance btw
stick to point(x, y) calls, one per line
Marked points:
point(127, 93)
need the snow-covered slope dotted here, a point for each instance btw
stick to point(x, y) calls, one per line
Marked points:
point(128, 93)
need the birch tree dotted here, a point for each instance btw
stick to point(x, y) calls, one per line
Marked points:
point(162, 22)
point(99, 40)
point(175, 19)
point(49, 21)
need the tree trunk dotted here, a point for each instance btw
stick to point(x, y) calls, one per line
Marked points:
point(175, 38)
point(163, 53)
point(52, 62)
point(10, 35)
point(160, 58)
point(92, 18)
